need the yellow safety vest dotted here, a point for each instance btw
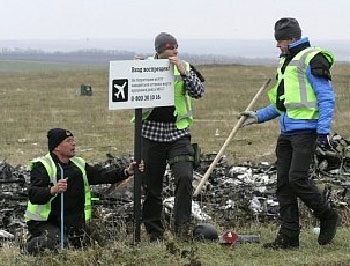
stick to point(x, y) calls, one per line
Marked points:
point(299, 97)
point(41, 212)
point(183, 102)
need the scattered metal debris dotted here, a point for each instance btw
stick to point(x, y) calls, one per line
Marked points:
point(233, 195)
point(13, 202)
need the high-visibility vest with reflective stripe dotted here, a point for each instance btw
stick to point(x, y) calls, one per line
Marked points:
point(299, 97)
point(41, 212)
point(183, 102)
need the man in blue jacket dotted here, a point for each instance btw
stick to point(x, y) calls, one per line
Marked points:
point(303, 98)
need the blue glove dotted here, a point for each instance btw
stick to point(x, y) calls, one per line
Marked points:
point(323, 141)
point(250, 118)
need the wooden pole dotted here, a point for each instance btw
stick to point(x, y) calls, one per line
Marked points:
point(228, 140)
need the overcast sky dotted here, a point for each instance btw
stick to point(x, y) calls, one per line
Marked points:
point(213, 19)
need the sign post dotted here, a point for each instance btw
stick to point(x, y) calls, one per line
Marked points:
point(137, 179)
point(140, 84)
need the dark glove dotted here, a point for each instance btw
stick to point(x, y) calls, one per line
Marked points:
point(323, 141)
point(250, 118)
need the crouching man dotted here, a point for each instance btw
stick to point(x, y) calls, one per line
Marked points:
point(61, 173)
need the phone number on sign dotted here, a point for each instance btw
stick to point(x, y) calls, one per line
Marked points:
point(145, 98)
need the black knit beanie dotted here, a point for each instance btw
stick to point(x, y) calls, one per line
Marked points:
point(55, 136)
point(162, 40)
point(287, 28)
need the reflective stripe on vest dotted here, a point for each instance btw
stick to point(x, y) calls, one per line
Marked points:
point(300, 99)
point(41, 212)
point(301, 65)
point(87, 202)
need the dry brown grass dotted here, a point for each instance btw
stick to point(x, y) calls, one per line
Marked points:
point(34, 101)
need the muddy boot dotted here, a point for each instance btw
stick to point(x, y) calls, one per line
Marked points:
point(328, 226)
point(283, 241)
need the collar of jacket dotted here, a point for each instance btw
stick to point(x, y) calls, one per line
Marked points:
point(296, 47)
point(56, 160)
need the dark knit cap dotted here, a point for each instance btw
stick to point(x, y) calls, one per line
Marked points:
point(55, 136)
point(287, 28)
point(162, 40)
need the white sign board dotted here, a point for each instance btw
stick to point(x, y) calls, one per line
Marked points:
point(140, 84)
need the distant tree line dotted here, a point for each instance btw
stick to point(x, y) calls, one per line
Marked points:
point(102, 57)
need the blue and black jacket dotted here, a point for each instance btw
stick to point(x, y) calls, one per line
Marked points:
point(322, 86)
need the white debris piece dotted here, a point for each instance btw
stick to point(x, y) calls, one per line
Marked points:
point(6, 235)
point(197, 212)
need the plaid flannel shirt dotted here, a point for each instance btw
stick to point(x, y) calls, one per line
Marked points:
point(167, 131)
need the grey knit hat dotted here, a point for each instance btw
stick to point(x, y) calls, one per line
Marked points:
point(162, 40)
point(287, 28)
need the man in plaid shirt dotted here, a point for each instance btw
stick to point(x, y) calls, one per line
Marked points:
point(166, 138)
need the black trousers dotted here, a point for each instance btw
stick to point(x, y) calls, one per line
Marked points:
point(42, 235)
point(294, 156)
point(155, 156)
point(46, 235)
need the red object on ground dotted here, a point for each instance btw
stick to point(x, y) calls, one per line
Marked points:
point(228, 238)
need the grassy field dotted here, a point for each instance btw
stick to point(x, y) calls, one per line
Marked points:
point(194, 254)
point(36, 97)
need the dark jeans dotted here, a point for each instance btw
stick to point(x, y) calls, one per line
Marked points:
point(294, 156)
point(155, 156)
